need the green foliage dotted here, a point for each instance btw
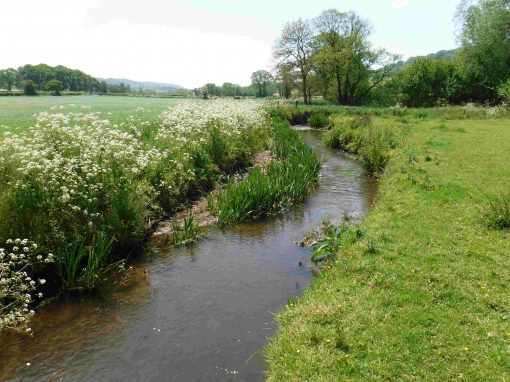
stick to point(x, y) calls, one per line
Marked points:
point(497, 210)
point(71, 79)
point(504, 91)
point(186, 233)
point(357, 135)
point(329, 244)
point(85, 268)
point(261, 79)
point(29, 88)
point(285, 183)
point(318, 120)
point(428, 82)
point(485, 51)
point(54, 86)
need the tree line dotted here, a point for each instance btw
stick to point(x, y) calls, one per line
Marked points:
point(42, 77)
point(331, 56)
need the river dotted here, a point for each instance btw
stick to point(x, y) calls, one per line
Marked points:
point(194, 313)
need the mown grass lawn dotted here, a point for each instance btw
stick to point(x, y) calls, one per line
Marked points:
point(432, 301)
point(17, 113)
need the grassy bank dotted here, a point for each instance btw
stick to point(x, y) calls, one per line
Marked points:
point(423, 294)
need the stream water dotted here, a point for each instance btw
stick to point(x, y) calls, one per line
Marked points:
point(196, 313)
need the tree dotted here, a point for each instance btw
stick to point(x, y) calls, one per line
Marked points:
point(428, 82)
point(293, 50)
point(29, 88)
point(8, 78)
point(485, 52)
point(343, 51)
point(261, 79)
point(285, 81)
point(54, 86)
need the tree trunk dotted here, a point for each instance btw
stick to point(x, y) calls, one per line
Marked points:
point(339, 88)
point(305, 95)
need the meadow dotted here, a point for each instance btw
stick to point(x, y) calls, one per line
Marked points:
point(419, 291)
point(18, 113)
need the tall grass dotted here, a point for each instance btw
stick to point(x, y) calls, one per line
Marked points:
point(286, 182)
point(186, 233)
point(497, 212)
point(85, 268)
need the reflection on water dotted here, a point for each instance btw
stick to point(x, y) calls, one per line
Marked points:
point(196, 313)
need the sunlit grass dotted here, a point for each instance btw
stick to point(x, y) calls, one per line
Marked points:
point(432, 302)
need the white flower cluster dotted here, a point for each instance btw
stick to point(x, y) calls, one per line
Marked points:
point(189, 122)
point(17, 258)
point(72, 159)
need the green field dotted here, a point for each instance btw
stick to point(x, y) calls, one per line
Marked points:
point(424, 295)
point(18, 112)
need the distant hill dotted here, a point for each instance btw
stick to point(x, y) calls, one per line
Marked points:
point(157, 86)
point(441, 55)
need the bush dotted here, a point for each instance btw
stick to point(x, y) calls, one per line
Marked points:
point(29, 88)
point(357, 135)
point(504, 91)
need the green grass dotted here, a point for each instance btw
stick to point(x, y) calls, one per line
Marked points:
point(424, 294)
point(17, 113)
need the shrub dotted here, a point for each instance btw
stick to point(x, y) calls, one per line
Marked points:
point(357, 135)
point(504, 91)
point(29, 88)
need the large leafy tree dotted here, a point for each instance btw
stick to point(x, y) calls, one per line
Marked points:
point(485, 38)
point(8, 78)
point(428, 82)
point(293, 51)
point(343, 51)
point(261, 79)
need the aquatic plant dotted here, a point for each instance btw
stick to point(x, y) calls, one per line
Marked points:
point(319, 120)
point(285, 182)
point(186, 233)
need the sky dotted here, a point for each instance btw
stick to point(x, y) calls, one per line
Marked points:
point(192, 42)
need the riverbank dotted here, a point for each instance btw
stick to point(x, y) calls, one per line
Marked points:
point(424, 295)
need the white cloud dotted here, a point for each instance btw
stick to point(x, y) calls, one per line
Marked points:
point(397, 4)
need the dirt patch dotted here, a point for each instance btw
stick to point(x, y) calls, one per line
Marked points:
point(263, 159)
point(198, 209)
